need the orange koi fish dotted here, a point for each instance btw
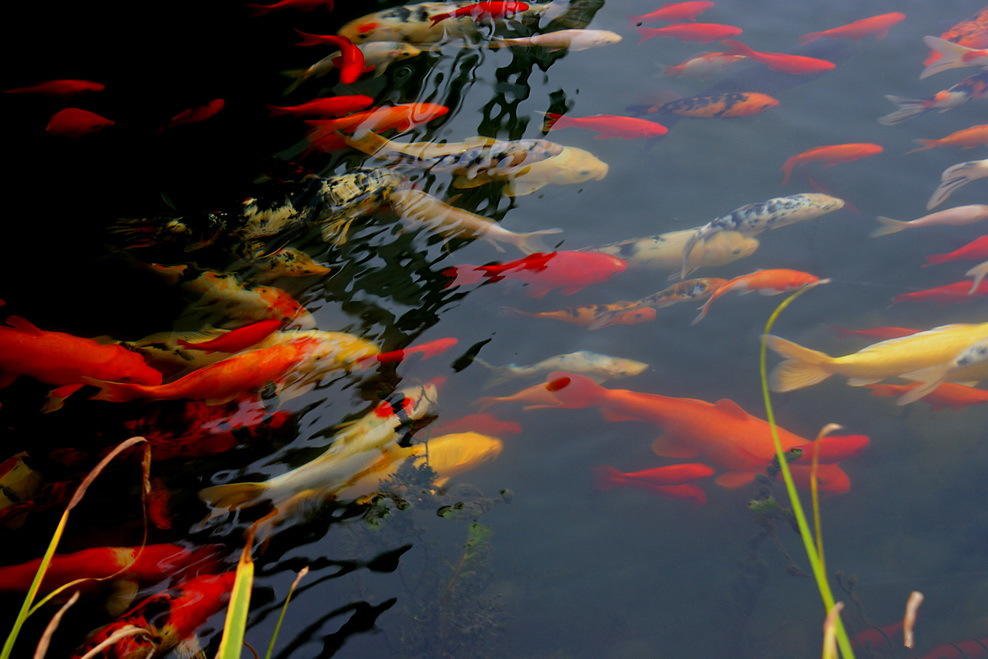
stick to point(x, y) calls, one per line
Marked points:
point(592, 315)
point(237, 339)
point(74, 122)
point(330, 106)
point(879, 332)
point(484, 9)
point(676, 11)
point(782, 62)
point(720, 106)
point(673, 481)
point(947, 396)
point(952, 56)
point(830, 155)
point(324, 134)
point(607, 125)
point(976, 250)
point(877, 26)
point(567, 271)
point(702, 32)
point(170, 618)
point(59, 88)
point(300, 5)
point(351, 62)
point(967, 138)
point(766, 282)
point(197, 114)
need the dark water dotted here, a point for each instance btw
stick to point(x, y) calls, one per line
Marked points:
point(562, 569)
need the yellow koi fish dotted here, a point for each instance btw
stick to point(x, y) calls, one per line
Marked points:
point(665, 251)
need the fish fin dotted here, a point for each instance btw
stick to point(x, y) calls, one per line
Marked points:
point(951, 56)
point(23, 324)
point(607, 477)
point(233, 495)
point(728, 406)
point(924, 145)
point(735, 479)
point(810, 37)
point(57, 396)
point(952, 178)
point(923, 388)
point(862, 382)
point(735, 47)
point(121, 596)
point(803, 367)
point(528, 242)
point(516, 188)
point(114, 392)
point(979, 273)
point(687, 252)
point(670, 448)
point(907, 108)
point(888, 227)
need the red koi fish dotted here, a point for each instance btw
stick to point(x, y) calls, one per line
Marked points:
point(170, 618)
point(299, 5)
point(959, 291)
point(720, 434)
point(196, 115)
point(607, 125)
point(830, 155)
point(351, 64)
point(674, 12)
point(947, 396)
point(673, 481)
point(876, 26)
point(485, 424)
point(878, 332)
point(152, 564)
point(323, 136)
point(567, 271)
point(484, 9)
point(976, 250)
point(766, 282)
point(75, 122)
point(781, 62)
point(701, 32)
point(330, 106)
point(427, 350)
point(237, 339)
point(59, 88)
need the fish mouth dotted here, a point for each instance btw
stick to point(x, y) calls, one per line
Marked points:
point(603, 173)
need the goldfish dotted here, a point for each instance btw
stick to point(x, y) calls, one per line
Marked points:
point(722, 434)
point(572, 40)
point(169, 618)
point(957, 216)
point(329, 106)
point(671, 481)
point(351, 62)
point(955, 177)
point(704, 64)
point(324, 134)
point(830, 155)
point(665, 251)
point(958, 291)
point(966, 138)
point(451, 221)
point(237, 339)
point(484, 9)
point(600, 368)
point(726, 105)
point(483, 423)
point(566, 271)
point(590, 315)
point(58, 88)
point(804, 367)
point(945, 396)
point(197, 114)
point(766, 282)
point(781, 62)
point(286, 262)
point(975, 86)
point(877, 26)
point(606, 125)
point(74, 122)
point(355, 447)
point(675, 11)
point(879, 332)
point(378, 55)
point(753, 219)
point(65, 360)
point(952, 56)
point(702, 32)
point(300, 5)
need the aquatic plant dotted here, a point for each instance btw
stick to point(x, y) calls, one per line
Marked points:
point(235, 625)
point(284, 609)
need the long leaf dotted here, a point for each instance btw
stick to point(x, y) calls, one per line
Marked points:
point(235, 627)
point(284, 608)
point(42, 649)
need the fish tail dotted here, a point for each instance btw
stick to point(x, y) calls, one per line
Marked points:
point(888, 227)
point(802, 367)
point(810, 37)
point(116, 392)
point(951, 56)
point(952, 179)
point(550, 120)
point(606, 478)
point(529, 242)
point(924, 145)
point(232, 495)
point(907, 109)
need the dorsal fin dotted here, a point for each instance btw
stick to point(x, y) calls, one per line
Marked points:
point(728, 406)
point(23, 324)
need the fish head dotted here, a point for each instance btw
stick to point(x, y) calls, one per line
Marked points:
point(757, 102)
point(417, 402)
point(291, 262)
point(946, 100)
point(628, 367)
point(974, 354)
point(605, 37)
point(449, 455)
point(572, 165)
point(823, 202)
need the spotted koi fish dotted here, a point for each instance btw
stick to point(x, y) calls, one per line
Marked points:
point(589, 315)
point(717, 106)
point(683, 291)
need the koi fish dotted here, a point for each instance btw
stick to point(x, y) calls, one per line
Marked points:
point(329, 106)
point(975, 86)
point(727, 105)
point(683, 291)
point(704, 64)
point(58, 88)
point(570, 167)
point(952, 56)
point(972, 32)
point(286, 262)
point(879, 332)
point(971, 364)
point(877, 26)
point(197, 114)
point(224, 291)
point(945, 396)
point(378, 55)
point(299, 5)
point(567, 271)
point(879, 361)
point(782, 62)
point(74, 122)
point(538, 396)
point(237, 339)
point(671, 481)
point(673, 12)
point(966, 138)
point(723, 435)
point(600, 368)
point(958, 291)
point(482, 423)
point(170, 618)
point(589, 315)
point(573, 40)
point(456, 222)
point(956, 177)
point(954, 217)
point(665, 251)
point(492, 9)
point(325, 136)
point(606, 125)
point(830, 155)
point(701, 32)
point(765, 282)
point(351, 64)
point(428, 350)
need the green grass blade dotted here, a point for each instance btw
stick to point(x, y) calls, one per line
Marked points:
point(819, 573)
point(284, 608)
point(235, 627)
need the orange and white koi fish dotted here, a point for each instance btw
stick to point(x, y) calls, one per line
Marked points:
point(952, 56)
point(830, 155)
point(704, 64)
point(674, 12)
point(224, 293)
point(765, 282)
point(782, 62)
point(966, 138)
point(325, 133)
point(873, 26)
point(954, 217)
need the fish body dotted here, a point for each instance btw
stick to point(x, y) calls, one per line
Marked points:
point(873, 26)
point(335, 350)
point(237, 339)
point(600, 368)
point(570, 167)
point(954, 217)
point(351, 59)
point(286, 262)
point(75, 122)
point(879, 332)
point(959, 291)
point(683, 291)
point(65, 87)
point(414, 24)
point(830, 155)
point(952, 56)
point(701, 32)
point(765, 282)
point(727, 105)
point(782, 62)
point(593, 316)
point(489, 9)
point(972, 32)
point(573, 40)
point(330, 106)
point(378, 55)
point(674, 12)
point(966, 138)
point(672, 481)
point(704, 64)
point(226, 294)
point(197, 114)
point(324, 134)
point(945, 396)
point(975, 86)
point(665, 251)
point(566, 271)
point(607, 125)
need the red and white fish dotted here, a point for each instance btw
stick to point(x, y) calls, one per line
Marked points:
point(351, 63)
point(489, 9)
point(566, 271)
point(324, 135)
